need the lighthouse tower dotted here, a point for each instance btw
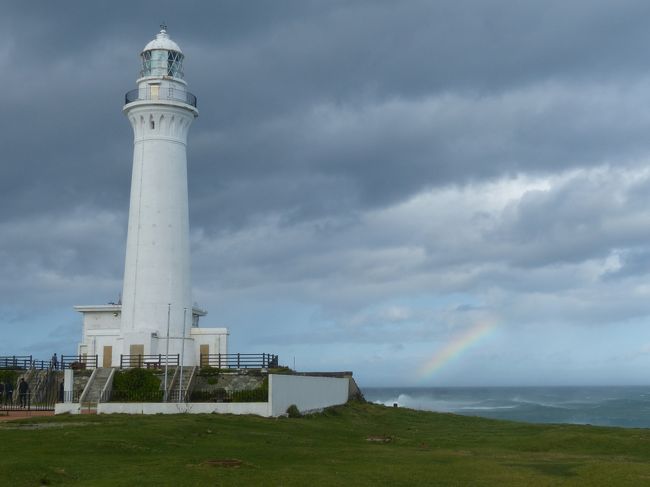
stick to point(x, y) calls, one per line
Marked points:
point(157, 286)
point(156, 315)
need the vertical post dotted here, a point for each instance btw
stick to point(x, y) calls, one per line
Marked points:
point(182, 354)
point(169, 309)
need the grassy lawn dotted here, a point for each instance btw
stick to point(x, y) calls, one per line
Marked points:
point(358, 444)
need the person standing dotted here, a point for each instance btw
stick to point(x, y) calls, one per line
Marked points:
point(9, 392)
point(55, 362)
point(23, 389)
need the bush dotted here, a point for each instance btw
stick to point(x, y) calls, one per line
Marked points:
point(136, 381)
point(280, 370)
point(8, 376)
point(293, 411)
point(209, 372)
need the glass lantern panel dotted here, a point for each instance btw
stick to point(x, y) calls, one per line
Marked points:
point(175, 64)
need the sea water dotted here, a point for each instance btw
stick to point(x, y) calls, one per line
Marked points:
point(627, 406)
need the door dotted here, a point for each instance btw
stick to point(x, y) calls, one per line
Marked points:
point(107, 360)
point(204, 351)
point(137, 352)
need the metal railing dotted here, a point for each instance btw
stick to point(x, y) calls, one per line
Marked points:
point(239, 360)
point(132, 396)
point(157, 92)
point(219, 395)
point(78, 362)
point(149, 361)
point(70, 396)
point(24, 362)
point(26, 402)
point(222, 395)
point(16, 362)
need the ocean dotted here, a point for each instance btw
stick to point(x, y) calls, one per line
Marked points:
point(626, 406)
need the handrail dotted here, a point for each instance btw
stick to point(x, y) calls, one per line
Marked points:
point(239, 360)
point(16, 362)
point(138, 361)
point(78, 362)
point(160, 93)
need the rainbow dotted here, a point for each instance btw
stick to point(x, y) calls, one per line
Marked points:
point(455, 347)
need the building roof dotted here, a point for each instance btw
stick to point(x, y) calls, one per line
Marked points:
point(162, 41)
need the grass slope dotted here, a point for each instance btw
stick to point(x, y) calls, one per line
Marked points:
point(357, 444)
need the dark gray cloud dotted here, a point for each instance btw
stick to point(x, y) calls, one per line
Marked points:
point(361, 172)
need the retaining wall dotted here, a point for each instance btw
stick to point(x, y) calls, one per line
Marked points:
point(307, 393)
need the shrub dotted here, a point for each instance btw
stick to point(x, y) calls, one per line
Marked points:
point(293, 411)
point(8, 376)
point(209, 372)
point(136, 381)
point(280, 370)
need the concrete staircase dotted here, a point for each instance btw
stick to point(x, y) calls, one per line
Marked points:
point(43, 386)
point(93, 391)
point(175, 392)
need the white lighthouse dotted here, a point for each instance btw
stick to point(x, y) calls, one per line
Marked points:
point(156, 315)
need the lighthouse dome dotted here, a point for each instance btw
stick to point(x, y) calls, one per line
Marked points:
point(162, 57)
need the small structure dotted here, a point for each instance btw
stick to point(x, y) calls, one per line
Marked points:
point(156, 314)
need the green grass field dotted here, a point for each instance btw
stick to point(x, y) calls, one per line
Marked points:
point(357, 444)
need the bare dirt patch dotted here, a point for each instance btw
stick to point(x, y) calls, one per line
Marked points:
point(379, 439)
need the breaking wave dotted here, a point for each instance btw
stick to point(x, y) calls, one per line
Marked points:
point(606, 406)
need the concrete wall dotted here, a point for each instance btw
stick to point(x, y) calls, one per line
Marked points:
point(257, 408)
point(67, 408)
point(307, 393)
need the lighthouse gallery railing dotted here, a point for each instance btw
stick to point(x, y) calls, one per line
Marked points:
point(156, 92)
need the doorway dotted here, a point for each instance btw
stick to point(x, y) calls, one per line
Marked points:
point(107, 358)
point(204, 350)
point(136, 352)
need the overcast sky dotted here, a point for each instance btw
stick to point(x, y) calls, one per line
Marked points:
point(369, 181)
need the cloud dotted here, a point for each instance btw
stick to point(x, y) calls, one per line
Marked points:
point(365, 179)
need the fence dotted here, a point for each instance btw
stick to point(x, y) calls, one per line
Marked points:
point(222, 395)
point(218, 395)
point(70, 396)
point(149, 361)
point(78, 362)
point(16, 362)
point(239, 360)
point(29, 401)
point(24, 362)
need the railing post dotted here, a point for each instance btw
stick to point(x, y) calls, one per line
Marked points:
point(237, 359)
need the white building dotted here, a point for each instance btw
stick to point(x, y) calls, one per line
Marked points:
point(156, 315)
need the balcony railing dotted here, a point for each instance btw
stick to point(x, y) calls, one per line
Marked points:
point(149, 361)
point(156, 92)
point(239, 360)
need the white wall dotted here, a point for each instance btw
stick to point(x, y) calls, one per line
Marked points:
point(307, 393)
point(67, 408)
point(257, 408)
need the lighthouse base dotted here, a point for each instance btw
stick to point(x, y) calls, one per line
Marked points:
point(102, 337)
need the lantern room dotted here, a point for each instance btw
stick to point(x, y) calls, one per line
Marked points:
point(162, 57)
